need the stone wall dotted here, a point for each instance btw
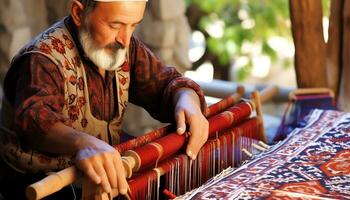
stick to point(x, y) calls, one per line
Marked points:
point(164, 29)
point(166, 32)
point(20, 20)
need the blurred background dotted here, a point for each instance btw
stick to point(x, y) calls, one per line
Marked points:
point(234, 40)
point(225, 42)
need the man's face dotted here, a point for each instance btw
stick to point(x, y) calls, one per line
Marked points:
point(112, 23)
point(106, 31)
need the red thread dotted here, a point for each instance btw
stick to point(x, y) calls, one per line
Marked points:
point(169, 194)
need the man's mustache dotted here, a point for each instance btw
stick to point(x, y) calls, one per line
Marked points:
point(115, 46)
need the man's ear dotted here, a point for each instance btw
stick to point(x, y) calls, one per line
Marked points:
point(76, 12)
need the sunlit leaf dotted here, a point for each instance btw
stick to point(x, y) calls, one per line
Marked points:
point(255, 21)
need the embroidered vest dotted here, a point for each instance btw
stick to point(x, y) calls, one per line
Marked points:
point(57, 44)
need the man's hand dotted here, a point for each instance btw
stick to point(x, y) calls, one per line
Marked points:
point(97, 159)
point(102, 164)
point(187, 111)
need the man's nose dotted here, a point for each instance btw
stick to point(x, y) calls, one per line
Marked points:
point(124, 36)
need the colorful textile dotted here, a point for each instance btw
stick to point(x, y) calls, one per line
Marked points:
point(312, 163)
point(171, 143)
point(212, 110)
point(161, 165)
point(179, 174)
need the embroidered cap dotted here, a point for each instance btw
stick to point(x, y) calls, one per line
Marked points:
point(118, 0)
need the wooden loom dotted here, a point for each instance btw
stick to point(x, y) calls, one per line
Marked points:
point(301, 102)
point(155, 161)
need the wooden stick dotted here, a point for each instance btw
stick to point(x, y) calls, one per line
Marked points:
point(258, 110)
point(260, 148)
point(234, 98)
point(51, 184)
point(56, 181)
point(268, 93)
point(246, 152)
point(310, 91)
point(240, 90)
point(264, 145)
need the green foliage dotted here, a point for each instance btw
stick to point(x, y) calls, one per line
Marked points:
point(326, 4)
point(244, 72)
point(245, 21)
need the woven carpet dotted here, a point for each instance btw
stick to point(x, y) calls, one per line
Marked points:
point(311, 163)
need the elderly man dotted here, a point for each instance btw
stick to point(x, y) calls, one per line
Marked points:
point(68, 88)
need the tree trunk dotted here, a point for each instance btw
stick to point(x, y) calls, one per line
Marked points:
point(344, 92)
point(310, 47)
point(333, 60)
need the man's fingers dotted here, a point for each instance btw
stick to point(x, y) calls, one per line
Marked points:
point(111, 172)
point(90, 172)
point(104, 179)
point(199, 135)
point(180, 122)
point(193, 146)
point(122, 184)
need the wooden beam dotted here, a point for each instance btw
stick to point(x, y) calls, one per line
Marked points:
point(310, 47)
point(344, 92)
point(333, 60)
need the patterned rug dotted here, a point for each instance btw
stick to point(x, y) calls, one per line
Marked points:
point(312, 163)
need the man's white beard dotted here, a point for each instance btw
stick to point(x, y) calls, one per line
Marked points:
point(99, 56)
